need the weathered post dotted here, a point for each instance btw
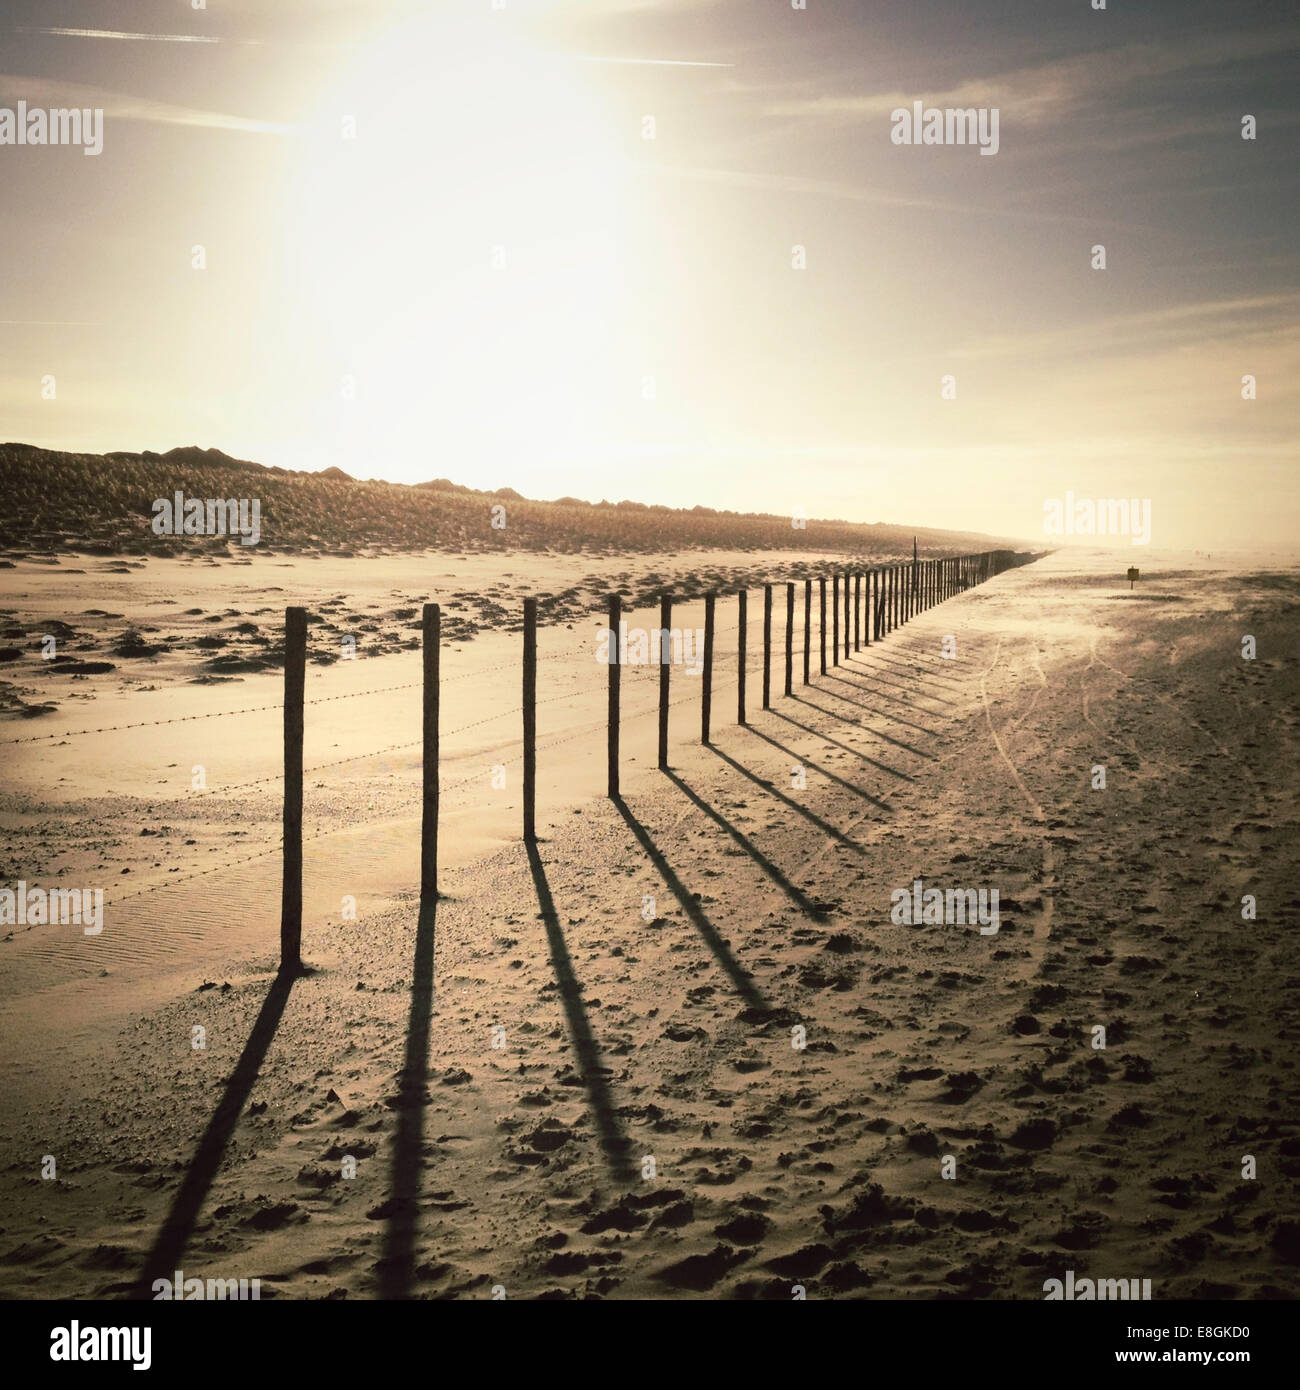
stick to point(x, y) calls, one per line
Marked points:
point(615, 673)
point(807, 628)
point(789, 637)
point(665, 666)
point(530, 719)
point(821, 589)
point(857, 611)
point(767, 646)
point(706, 693)
point(846, 615)
point(295, 677)
point(743, 632)
point(431, 637)
point(835, 620)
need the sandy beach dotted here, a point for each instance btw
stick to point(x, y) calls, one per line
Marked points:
point(680, 1050)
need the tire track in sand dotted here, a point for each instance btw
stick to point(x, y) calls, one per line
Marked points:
point(1047, 882)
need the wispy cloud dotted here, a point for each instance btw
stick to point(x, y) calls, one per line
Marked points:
point(1047, 91)
point(648, 62)
point(119, 34)
point(856, 193)
point(44, 91)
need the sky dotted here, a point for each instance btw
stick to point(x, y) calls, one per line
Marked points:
point(552, 246)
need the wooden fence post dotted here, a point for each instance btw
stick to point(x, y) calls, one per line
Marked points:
point(706, 693)
point(846, 615)
point(821, 589)
point(807, 628)
point(857, 611)
point(767, 646)
point(789, 638)
point(835, 621)
point(295, 677)
point(432, 636)
point(742, 627)
point(665, 666)
point(615, 674)
point(530, 720)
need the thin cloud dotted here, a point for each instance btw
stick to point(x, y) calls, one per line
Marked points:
point(122, 106)
point(119, 34)
point(648, 62)
point(830, 188)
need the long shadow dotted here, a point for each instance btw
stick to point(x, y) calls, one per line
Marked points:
point(936, 672)
point(871, 709)
point(823, 825)
point(921, 667)
point(397, 1260)
point(826, 738)
point(740, 977)
point(164, 1259)
point(792, 891)
point(805, 761)
point(909, 690)
point(875, 733)
point(865, 682)
point(612, 1139)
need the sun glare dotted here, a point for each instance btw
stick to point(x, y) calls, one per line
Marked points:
point(458, 223)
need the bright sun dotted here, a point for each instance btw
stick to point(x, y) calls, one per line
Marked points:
point(461, 253)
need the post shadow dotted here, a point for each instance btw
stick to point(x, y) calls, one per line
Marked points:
point(884, 713)
point(856, 752)
point(791, 890)
point(164, 1259)
point(919, 667)
point(886, 691)
point(875, 733)
point(615, 1144)
point(823, 825)
point(397, 1260)
point(740, 977)
point(910, 691)
point(805, 761)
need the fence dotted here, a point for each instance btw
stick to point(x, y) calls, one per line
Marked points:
point(886, 597)
point(865, 606)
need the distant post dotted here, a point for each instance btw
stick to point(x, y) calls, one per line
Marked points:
point(295, 678)
point(846, 615)
point(807, 627)
point(835, 619)
point(821, 587)
point(742, 624)
point(432, 634)
point(665, 666)
point(857, 611)
point(706, 692)
point(530, 719)
point(789, 638)
point(615, 673)
point(767, 646)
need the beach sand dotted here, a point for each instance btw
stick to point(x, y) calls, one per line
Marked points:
point(604, 1093)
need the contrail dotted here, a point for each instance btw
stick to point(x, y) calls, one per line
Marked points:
point(117, 34)
point(649, 62)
